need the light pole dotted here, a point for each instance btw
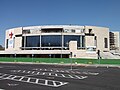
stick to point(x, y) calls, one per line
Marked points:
point(50, 57)
point(71, 60)
point(15, 57)
point(32, 57)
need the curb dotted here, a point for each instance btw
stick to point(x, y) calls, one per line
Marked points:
point(59, 64)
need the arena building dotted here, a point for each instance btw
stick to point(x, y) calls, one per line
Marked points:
point(57, 41)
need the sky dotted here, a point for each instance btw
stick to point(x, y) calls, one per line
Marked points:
point(19, 13)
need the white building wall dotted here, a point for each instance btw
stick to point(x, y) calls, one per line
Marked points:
point(99, 32)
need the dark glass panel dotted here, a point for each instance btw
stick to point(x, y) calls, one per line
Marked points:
point(68, 38)
point(51, 41)
point(32, 41)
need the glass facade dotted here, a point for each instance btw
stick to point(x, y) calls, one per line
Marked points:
point(68, 38)
point(52, 41)
point(32, 41)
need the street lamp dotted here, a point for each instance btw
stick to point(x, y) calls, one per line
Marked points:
point(71, 60)
point(32, 57)
point(50, 57)
point(15, 57)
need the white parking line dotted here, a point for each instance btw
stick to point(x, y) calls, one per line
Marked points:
point(67, 71)
point(38, 72)
point(2, 89)
point(70, 76)
point(54, 83)
point(28, 80)
point(9, 76)
point(33, 72)
point(28, 72)
point(21, 78)
point(35, 80)
point(13, 77)
point(46, 82)
point(57, 71)
point(43, 73)
point(49, 74)
point(19, 70)
point(56, 75)
point(63, 75)
point(3, 75)
point(23, 71)
point(81, 77)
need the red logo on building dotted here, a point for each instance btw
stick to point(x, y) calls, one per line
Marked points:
point(11, 34)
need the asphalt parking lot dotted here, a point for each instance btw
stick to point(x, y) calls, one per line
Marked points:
point(55, 77)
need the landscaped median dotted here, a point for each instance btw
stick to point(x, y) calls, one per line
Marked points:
point(62, 60)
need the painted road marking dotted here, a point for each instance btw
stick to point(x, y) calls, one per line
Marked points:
point(70, 76)
point(73, 76)
point(28, 80)
point(19, 70)
point(63, 75)
point(81, 77)
point(2, 89)
point(33, 72)
point(23, 71)
point(38, 72)
point(45, 82)
point(57, 75)
point(28, 72)
point(78, 72)
point(50, 74)
point(36, 80)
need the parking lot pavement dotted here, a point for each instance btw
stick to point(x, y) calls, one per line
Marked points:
point(55, 77)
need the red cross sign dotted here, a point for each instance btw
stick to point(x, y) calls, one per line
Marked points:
point(11, 34)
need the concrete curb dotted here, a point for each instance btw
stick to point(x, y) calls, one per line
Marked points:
point(66, 64)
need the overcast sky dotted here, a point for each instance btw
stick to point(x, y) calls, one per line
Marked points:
point(17, 13)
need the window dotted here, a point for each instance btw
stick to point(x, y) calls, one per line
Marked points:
point(68, 38)
point(32, 41)
point(95, 40)
point(106, 42)
point(7, 43)
point(51, 41)
point(52, 30)
point(26, 31)
point(90, 31)
point(73, 30)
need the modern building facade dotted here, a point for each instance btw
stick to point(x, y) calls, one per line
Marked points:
point(57, 41)
point(115, 40)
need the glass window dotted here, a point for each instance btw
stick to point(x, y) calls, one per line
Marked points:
point(6, 43)
point(26, 31)
point(68, 38)
point(32, 41)
point(106, 42)
point(83, 41)
point(51, 41)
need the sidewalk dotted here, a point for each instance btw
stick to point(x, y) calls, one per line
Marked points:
point(65, 64)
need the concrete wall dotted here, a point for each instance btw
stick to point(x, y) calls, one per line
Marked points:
point(100, 33)
point(17, 38)
point(89, 41)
